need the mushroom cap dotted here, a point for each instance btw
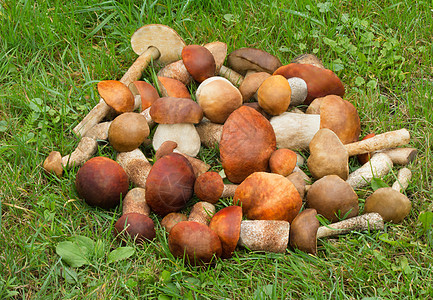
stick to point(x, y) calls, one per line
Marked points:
point(338, 115)
point(136, 225)
point(170, 87)
point(128, 131)
point(176, 70)
point(303, 231)
point(194, 241)
point(218, 98)
point(209, 187)
point(170, 184)
point(298, 181)
point(53, 163)
point(258, 108)
point(184, 134)
point(320, 82)
point(283, 161)
point(392, 205)
point(251, 84)
point(327, 155)
point(333, 198)
point(245, 59)
point(199, 62)
point(163, 38)
point(219, 52)
point(166, 148)
point(146, 91)
point(274, 95)
point(227, 225)
point(246, 145)
point(101, 182)
point(171, 110)
point(310, 59)
point(268, 196)
point(116, 95)
point(172, 219)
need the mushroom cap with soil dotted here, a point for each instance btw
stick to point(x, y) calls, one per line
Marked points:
point(128, 131)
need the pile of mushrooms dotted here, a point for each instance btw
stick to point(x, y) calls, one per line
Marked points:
point(253, 110)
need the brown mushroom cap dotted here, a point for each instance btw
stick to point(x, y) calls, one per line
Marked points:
point(320, 82)
point(128, 131)
point(171, 110)
point(209, 187)
point(170, 87)
point(310, 59)
point(283, 161)
point(303, 231)
point(274, 95)
point(218, 98)
point(268, 196)
point(199, 62)
point(327, 155)
point(246, 145)
point(338, 115)
point(53, 163)
point(172, 219)
point(219, 52)
point(227, 225)
point(146, 91)
point(170, 184)
point(194, 241)
point(136, 225)
point(245, 59)
point(101, 182)
point(117, 95)
point(392, 205)
point(333, 198)
point(166, 148)
point(251, 84)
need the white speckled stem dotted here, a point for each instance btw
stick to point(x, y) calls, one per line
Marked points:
point(135, 202)
point(84, 151)
point(235, 78)
point(210, 133)
point(378, 166)
point(202, 212)
point(229, 190)
point(136, 166)
point(264, 235)
point(403, 178)
point(370, 221)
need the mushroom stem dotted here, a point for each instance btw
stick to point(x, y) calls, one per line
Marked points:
point(136, 166)
point(401, 156)
point(264, 235)
point(102, 109)
point(229, 190)
point(202, 212)
point(210, 133)
point(84, 151)
point(135, 202)
point(378, 166)
point(403, 178)
point(370, 221)
point(234, 77)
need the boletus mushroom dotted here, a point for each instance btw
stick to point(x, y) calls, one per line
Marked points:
point(128, 131)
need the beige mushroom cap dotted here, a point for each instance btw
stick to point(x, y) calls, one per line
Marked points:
point(392, 205)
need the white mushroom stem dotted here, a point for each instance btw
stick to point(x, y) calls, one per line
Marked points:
point(184, 134)
point(98, 113)
point(378, 166)
point(210, 133)
point(135, 202)
point(381, 141)
point(234, 77)
point(403, 178)
point(401, 156)
point(264, 235)
point(136, 166)
point(84, 151)
point(202, 212)
point(295, 131)
point(370, 221)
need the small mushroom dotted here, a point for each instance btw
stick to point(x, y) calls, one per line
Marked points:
point(283, 161)
point(117, 95)
point(128, 131)
point(199, 62)
point(138, 226)
point(274, 95)
point(210, 187)
point(170, 87)
point(227, 225)
point(172, 219)
point(101, 182)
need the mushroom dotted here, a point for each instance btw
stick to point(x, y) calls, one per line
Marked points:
point(268, 196)
point(170, 184)
point(138, 226)
point(274, 95)
point(218, 98)
point(251, 59)
point(310, 59)
point(333, 198)
point(172, 219)
point(320, 82)
point(329, 156)
point(148, 94)
point(199, 62)
point(389, 202)
point(170, 87)
point(135, 202)
point(247, 142)
point(176, 118)
point(196, 242)
point(202, 212)
point(101, 182)
point(154, 42)
point(116, 95)
point(283, 161)
point(176, 70)
point(128, 131)
point(251, 84)
point(136, 166)
point(210, 187)
point(226, 223)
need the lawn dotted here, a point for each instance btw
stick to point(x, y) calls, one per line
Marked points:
point(52, 55)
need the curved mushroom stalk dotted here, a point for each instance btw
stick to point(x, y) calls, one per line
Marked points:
point(371, 221)
point(136, 166)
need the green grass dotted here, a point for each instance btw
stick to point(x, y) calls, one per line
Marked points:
point(52, 54)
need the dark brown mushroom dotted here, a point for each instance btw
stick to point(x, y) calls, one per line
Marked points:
point(199, 62)
point(251, 59)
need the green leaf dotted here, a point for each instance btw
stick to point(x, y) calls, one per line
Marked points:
point(120, 253)
point(86, 244)
point(165, 276)
point(377, 183)
point(72, 254)
point(359, 81)
point(426, 219)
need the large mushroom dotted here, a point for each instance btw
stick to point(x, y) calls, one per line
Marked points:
point(251, 59)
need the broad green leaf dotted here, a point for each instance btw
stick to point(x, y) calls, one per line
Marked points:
point(72, 254)
point(165, 276)
point(426, 219)
point(85, 243)
point(377, 183)
point(120, 253)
